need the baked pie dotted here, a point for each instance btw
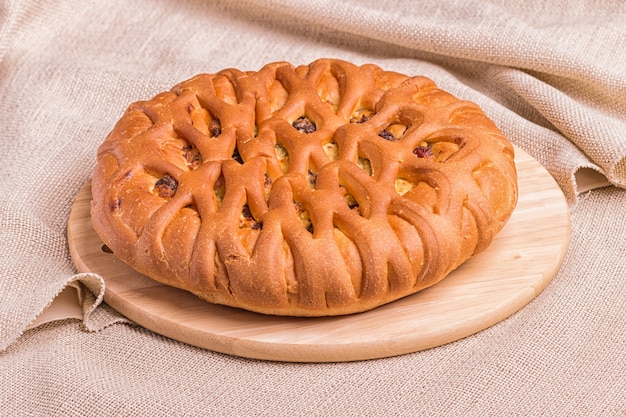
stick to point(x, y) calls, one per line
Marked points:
point(312, 190)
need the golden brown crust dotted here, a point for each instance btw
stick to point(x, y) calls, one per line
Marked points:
point(322, 189)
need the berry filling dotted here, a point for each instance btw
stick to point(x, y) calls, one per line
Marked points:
point(166, 187)
point(304, 125)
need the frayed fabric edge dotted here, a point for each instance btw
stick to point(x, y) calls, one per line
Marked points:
point(79, 298)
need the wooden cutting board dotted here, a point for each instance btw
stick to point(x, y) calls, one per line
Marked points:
point(490, 287)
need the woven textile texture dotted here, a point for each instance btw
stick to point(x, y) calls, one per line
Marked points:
point(551, 74)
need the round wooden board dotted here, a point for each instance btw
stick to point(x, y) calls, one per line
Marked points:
point(490, 287)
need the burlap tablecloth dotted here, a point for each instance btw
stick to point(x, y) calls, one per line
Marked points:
point(552, 74)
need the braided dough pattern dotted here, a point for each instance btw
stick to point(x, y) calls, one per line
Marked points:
point(316, 190)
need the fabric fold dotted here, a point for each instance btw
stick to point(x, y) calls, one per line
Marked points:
point(79, 297)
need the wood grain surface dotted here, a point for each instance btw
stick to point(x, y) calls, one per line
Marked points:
point(488, 288)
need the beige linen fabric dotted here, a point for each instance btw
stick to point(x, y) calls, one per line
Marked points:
point(552, 74)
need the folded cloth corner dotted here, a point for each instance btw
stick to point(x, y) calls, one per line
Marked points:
point(80, 298)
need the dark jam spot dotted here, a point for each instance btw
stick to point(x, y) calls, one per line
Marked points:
point(267, 181)
point(309, 228)
point(387, 135)
point(215, 128)
point(192, 156)
point(236, 156)
point(304, 125)
point(250, 221)
point(312, 179)
point(166, 187)
point(245, 211)
point(364, 118)
point(351, 201)
point(423, 152)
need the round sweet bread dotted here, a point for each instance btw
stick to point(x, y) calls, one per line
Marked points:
point(316, 190)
